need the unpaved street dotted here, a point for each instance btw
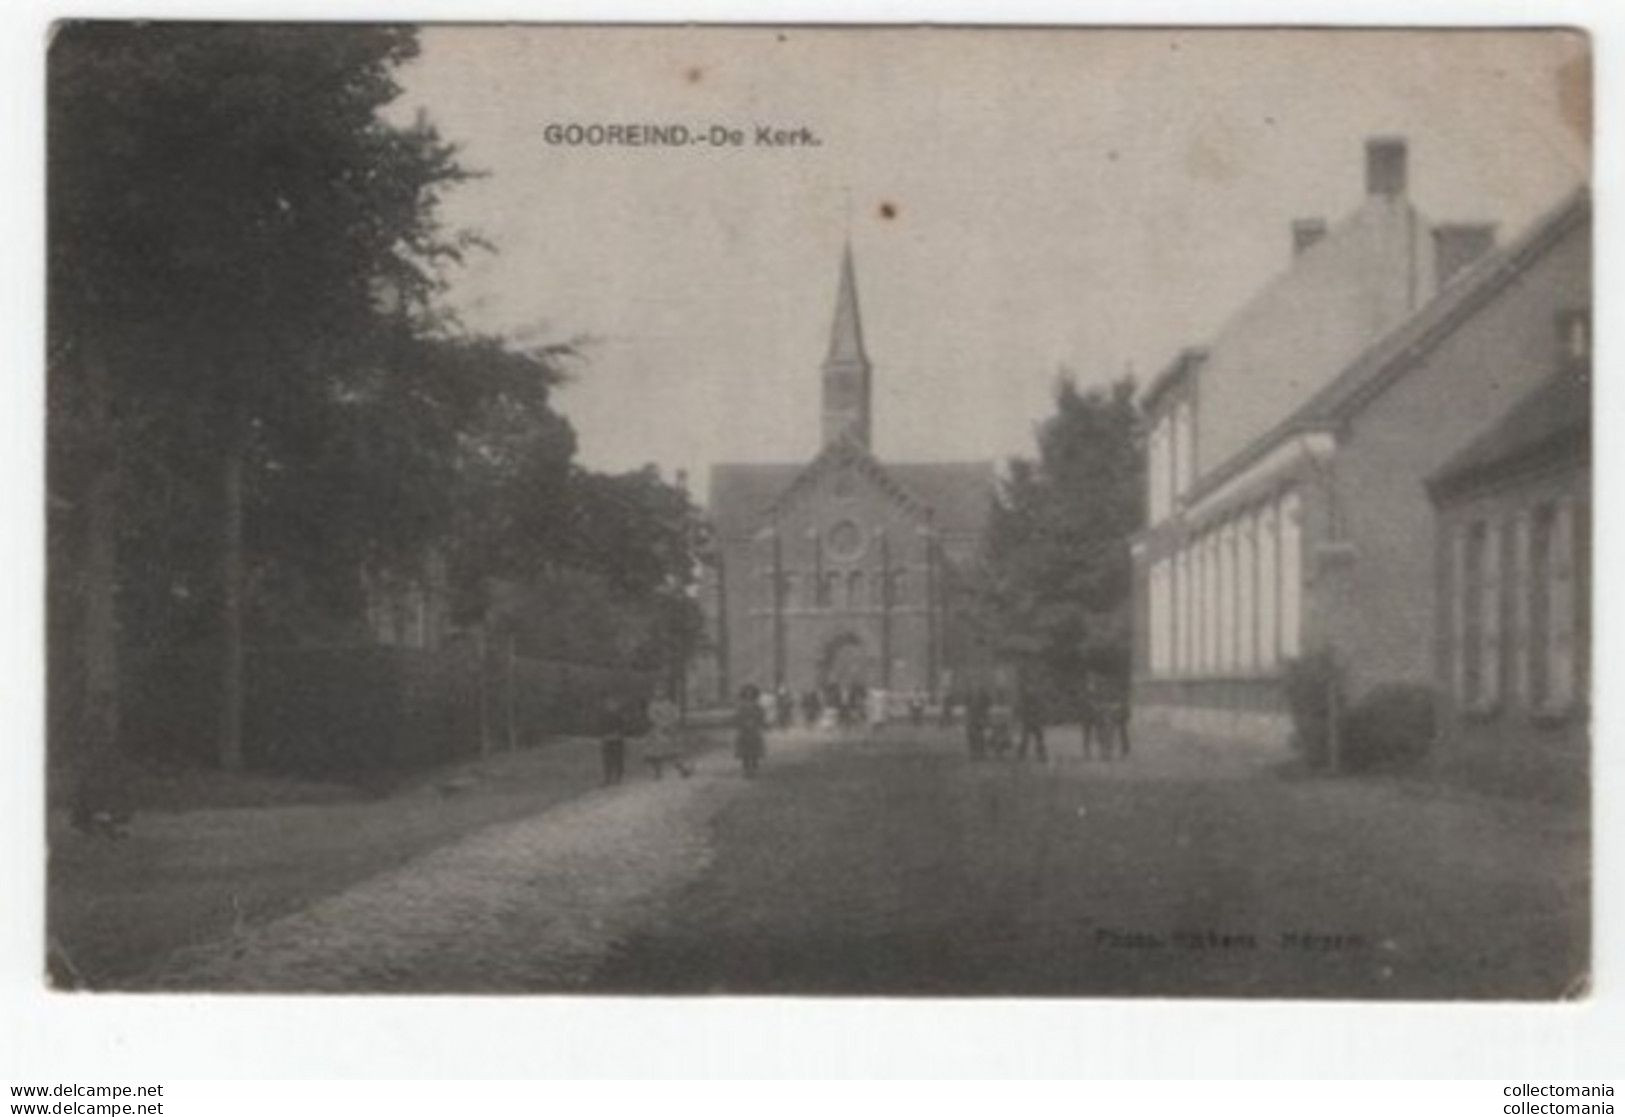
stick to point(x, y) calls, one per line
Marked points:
point(890, 863)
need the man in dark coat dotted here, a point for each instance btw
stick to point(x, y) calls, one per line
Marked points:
point(1030, 724)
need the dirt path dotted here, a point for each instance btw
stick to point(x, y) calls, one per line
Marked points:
point(528, 905)
point(900, 867)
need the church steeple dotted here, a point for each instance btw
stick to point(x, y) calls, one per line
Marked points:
point(846, 368)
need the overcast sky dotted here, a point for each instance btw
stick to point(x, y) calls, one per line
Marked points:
point(1087, 199)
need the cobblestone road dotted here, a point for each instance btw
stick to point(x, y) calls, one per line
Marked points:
point(529, 905)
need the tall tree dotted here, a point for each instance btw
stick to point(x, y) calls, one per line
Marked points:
point(1057, 580)
point(227, 211)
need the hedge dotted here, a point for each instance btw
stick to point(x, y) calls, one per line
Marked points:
point(351, 710)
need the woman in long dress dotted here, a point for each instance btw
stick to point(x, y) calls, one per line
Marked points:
point(749, 723)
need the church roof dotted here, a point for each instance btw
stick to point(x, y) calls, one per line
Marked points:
point(846, 331)
point(742, 492)
point(959, 495)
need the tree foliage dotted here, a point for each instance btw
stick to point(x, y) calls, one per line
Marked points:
point(245, 264)
point(1056, 584)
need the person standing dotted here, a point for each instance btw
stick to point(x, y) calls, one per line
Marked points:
point(1089, 715)
point(750, 721)
point(1030, 724)
point(977, 710)
point(612, 742)
point(811, 708)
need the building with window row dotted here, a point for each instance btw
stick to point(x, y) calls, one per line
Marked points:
point(1288, 510)
point(1513, 562)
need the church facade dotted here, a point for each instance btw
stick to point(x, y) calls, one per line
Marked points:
point(843, 569)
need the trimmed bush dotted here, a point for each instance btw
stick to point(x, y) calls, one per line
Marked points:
point(1391, 727)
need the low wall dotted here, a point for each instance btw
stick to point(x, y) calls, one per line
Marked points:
point(1247, 712)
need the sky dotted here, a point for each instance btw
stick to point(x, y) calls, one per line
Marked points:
point(1018, 201)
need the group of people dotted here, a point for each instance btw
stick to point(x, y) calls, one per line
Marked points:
point(995, 726)
point(833, 704)
point(659, 722)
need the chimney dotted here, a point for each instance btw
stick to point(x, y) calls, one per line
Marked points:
point(1457, 245)
point(1385, 166)
point(1305, 232)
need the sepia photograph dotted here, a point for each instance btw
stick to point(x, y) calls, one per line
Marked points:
point(814, 511)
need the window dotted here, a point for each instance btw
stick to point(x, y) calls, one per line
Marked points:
point(1520, 595)
point(854, 589)
point(1153, 474)
point(1157, 619)
point(1211, 618)
point(1246, 597)
point(1226, 539)
point(1574, 337)
point(1269, 622)
point(1540, 612)
point(1182, 612)
point(826, 589)
point(1199, 599)
point(899, 587)
point(1291, 574)
point(1489, 642)
point(1187, 447)
point(1554, 608)
point(1471, 626)
point(846, 540)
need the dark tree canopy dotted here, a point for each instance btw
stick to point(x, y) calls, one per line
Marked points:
point(259, 403)
point(1057, 581)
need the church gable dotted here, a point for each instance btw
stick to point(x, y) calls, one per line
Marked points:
point(845, 474)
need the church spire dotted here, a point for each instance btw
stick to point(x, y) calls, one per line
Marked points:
point(846, 368)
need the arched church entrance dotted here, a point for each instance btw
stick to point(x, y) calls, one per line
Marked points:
point(845, 660)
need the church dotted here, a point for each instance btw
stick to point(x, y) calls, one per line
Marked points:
point(843, 569)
